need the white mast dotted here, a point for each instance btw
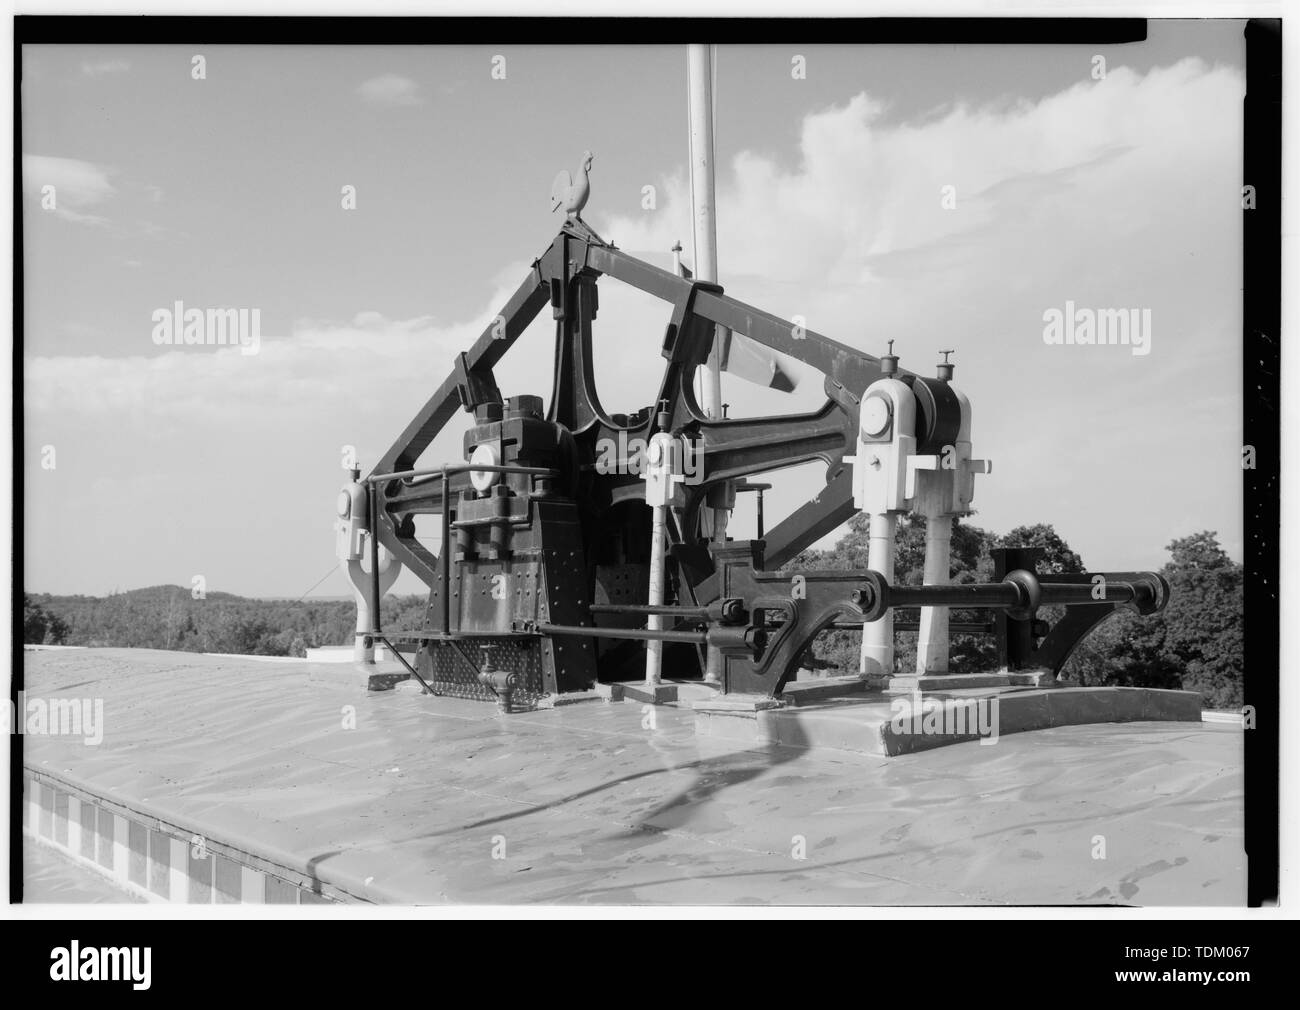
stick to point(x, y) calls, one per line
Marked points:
point(699, 66)
point(699, 88)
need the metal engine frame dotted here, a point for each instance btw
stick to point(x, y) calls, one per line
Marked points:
point(571, 541)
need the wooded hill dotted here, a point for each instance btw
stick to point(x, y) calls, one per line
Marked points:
point(1195, 644)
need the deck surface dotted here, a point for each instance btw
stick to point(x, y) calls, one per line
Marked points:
point(431, 800)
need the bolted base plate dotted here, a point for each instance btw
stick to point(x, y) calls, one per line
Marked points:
point(739, 703)
point(364, 677)
point(958, 681)
point(658, 694)
point(880, 726)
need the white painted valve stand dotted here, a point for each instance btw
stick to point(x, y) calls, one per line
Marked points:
point(662, 474)
point(351, 530)
point(880, 469)
point(932, 642)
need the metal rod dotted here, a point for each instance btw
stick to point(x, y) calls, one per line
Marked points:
point(641, 634)
point(932, 646)
point(446, 554)
point(956, 627)
point(402, 659)
point(987, 594)
point(1006, 595)
point(666, 609)
point(371, 503)
point(655, 649)
point(1069, 592)
point(699, 89)
point(454, 468)
point(876, 653)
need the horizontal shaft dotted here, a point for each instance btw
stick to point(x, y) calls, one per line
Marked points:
point(645, 634)
point(1020, 594)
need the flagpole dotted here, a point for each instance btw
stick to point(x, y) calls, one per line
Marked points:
point(699, 88)
point(703, 216)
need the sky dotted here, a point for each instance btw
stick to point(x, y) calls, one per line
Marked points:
point(941, 197)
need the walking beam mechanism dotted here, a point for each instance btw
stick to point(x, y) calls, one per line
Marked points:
point(560, 510)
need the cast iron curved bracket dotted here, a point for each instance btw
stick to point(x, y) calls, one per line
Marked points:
point(565, 277)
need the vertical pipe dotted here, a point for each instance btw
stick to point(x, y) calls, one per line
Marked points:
point(932, 641)
point(699, 89)
point(699, 66)
point(372, 498)
point(363, 646)
point(760, 513)
point(654, 652)
point(878, 636)
point(446, 553)
point(655, 648)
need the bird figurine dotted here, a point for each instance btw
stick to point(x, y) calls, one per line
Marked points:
point(571, 195)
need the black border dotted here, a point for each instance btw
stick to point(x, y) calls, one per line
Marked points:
point(1261, 265)
point(572, 30)
point(1262, 421)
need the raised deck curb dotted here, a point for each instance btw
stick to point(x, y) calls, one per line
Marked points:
point(159, 860)
point(901, 725)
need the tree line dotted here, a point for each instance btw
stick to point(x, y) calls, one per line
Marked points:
point(1195, 644)
point(169, 617)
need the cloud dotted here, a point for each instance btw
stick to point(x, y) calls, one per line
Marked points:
point(211, 432)
point(77, 186)
point(1122, 193)
point(105, 67)
point(390, 89)
point(316, 364)
point(866, 192)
